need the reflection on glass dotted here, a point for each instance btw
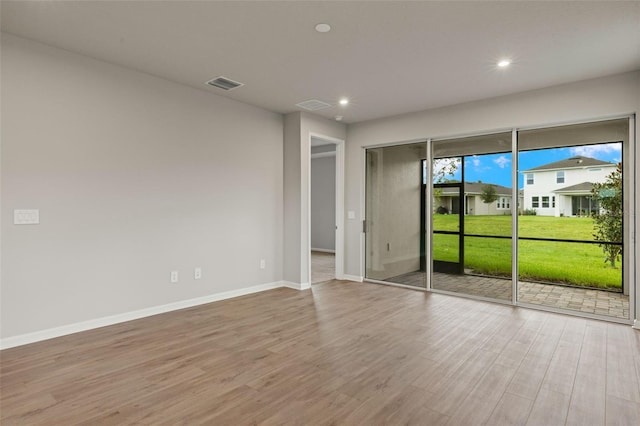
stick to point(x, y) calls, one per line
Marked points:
point(394, 235)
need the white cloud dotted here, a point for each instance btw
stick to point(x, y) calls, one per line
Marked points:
point(502, 161)
point(594, 150)
point(475, 160)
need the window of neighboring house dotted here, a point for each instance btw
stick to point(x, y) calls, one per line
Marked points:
point(529, 178)
point(503, 203)
point(553, 201)
point(559, 177)
point(545, 202)
point(535, 202)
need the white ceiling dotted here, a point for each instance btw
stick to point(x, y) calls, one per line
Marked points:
point(387, 57)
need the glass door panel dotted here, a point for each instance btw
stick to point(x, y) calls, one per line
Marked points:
point(570, 232)
point(447, 240)
point(472, 216)
point(394, 237)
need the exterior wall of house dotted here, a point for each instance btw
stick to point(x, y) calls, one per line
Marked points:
point(475, 206)
point(495, 208)
point(545, 183)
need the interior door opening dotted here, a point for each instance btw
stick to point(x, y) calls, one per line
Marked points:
point(325, 209)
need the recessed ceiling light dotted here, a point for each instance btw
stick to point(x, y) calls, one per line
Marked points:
point(504, 63)
point(339, 117)
point(344, 101)
point(323, 28)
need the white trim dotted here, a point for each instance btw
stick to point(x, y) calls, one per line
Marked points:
point(323, 154)
point(340, 212)
point(351, 278)
point(632, 250)
point(428, 241)
point(37, 336)
point(296, 286)
point(636, 324)
point(323, 250)
point(515, 194)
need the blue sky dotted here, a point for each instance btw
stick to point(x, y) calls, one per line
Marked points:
point(496, 168)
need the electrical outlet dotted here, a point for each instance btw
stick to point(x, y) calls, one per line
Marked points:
point(197, 273)
point(263, 263)
point(174, 276)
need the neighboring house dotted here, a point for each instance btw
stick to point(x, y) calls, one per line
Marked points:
point(449, 198)
point(563, 188)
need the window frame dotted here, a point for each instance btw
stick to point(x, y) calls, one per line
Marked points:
point(529, 181)
point(544, 202)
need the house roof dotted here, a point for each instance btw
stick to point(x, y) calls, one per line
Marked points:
point(475, 188)
point(578, 161)
point(581, 187)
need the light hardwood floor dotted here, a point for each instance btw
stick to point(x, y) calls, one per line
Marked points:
point(323, 267)
point(340, 353)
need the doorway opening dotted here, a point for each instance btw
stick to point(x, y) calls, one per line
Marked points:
point(326, 209)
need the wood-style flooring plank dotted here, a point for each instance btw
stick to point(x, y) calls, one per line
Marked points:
point(339, 353)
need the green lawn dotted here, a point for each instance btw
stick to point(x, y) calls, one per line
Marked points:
point(569, 263)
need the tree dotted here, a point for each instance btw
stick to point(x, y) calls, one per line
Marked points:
point(489, 194)
point(608, 219)
point(444, 169)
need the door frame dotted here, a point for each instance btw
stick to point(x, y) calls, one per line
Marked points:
point(339, 192)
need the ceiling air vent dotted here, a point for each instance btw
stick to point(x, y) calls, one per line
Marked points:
point(224, 83)
point(313, 105)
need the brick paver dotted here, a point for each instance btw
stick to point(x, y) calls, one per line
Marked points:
point(590, 301)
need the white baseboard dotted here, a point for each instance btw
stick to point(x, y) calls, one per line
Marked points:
point(351, 278)
point(323, 250)
point(296, 286)
point(50, 333)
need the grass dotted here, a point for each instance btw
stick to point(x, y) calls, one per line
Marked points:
point(567, 263)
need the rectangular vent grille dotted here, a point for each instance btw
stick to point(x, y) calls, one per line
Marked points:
point(313, 105)
point(224, 83)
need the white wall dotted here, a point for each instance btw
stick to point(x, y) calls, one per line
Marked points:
point(323, 202)
point(134, 176)
point(580, 101)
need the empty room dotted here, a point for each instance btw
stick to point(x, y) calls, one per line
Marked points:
point(319, 212)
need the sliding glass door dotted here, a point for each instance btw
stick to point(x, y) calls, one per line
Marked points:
point(534, 217)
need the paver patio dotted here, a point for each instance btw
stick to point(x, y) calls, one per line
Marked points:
point(590, 301)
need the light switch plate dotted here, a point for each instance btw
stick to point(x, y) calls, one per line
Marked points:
point(351, 214)
point(26, 217)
